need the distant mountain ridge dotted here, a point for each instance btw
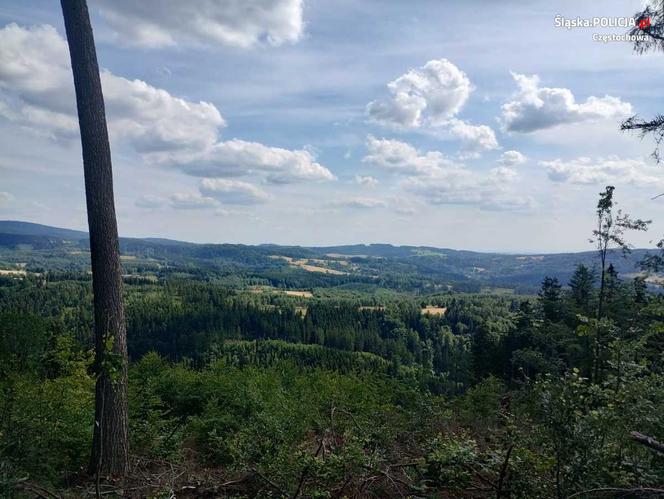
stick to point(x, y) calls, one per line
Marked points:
point(398, 267)
point(21, 228)
point(32, 229)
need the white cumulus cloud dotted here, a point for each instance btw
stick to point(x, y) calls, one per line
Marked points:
point(612, 169)
point(236, 157)
point(536, 108)
point(229, 191)
point(239, 23)
point(430, 98)
point(438, 180)
point(151, 119)
point(429, 95)
point(366, 180)
point(400, 157)
point(191, 201)
point(475, 139)
point(358, 203)
point(37, 92)
point(512, 158)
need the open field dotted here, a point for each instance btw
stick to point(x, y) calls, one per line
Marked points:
point(301, 311)
point(287, 292)
point(306, 264)
point(433, 310)
point(301, 294)
point(15, 273)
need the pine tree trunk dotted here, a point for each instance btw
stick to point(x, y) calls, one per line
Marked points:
point(600, 314)
point(110, 445)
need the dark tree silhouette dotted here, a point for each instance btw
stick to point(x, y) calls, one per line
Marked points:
point(649, 35)
point(654, 127)
point(610, 231)
point(581, 285)
point(110, 445)
point(649, 28)
point(550, 299)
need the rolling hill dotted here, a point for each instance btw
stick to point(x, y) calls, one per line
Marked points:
point(41, 247)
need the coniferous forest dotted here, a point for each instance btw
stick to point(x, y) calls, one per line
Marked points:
point(147, 367)
point(254, 392)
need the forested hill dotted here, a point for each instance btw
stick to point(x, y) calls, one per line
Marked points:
point(28, 229)
point(37, 248)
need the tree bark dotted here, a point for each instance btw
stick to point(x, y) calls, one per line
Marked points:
point(110, 445)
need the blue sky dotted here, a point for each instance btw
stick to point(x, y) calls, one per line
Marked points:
point(472, 125)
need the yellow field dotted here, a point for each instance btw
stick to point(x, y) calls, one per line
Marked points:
point(431, 310)
point(17, 273)
point(301, 294)
point(305, 264)
point(322, 270)
point(287, 292)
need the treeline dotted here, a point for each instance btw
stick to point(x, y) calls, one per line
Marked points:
point(256, 382)
point(185, 320)
point(562, 330)
point(477, 336)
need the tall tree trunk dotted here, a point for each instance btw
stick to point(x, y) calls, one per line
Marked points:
point(110, 444)
point(600, 314)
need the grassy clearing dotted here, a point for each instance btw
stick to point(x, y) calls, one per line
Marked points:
point(13, 272)
point(306, 264)
point(300, 294)
point(433, 310)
